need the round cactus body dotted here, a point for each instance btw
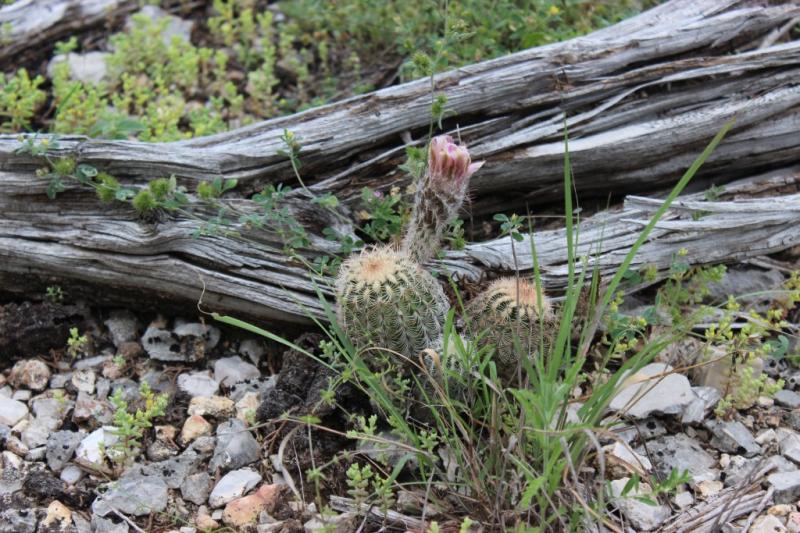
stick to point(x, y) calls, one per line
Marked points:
point(510, 309)
point(386, 300)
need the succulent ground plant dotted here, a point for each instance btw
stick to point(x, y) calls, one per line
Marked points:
point(512, 315)
point(386, 299)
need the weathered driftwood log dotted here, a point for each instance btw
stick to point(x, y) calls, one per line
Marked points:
point(641, 99)
point(110, 256)
point(698, 62)
point(34, 25)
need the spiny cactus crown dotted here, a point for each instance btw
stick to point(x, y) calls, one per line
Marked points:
point(439, 196)
point(386, 300)
point(510, 309)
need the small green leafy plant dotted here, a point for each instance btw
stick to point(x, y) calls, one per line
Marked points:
point(129, 427)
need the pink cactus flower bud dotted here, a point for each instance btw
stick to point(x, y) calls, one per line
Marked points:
point(448, 161)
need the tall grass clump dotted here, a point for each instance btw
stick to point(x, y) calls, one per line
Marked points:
point(487, 421)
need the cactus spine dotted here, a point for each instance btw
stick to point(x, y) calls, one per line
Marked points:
point(507, 316)
point(386, 300)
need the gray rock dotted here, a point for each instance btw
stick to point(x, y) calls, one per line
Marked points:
point(11, 411)
point(123, 326)
point(253, 349)
point(793, 382)
point(787, 486)
point(175, 470)
point(198, 384)
point(91, 362)
point(767, 524)
point(733, 437)
point(129, 388)
point(106, 525)
point(642, 516)
point(640, 397)
point(36, 454)
point(81, 524)
point(196, 488)
point(741, 468)
point(260, 386)
point(176, 27)
point(22, 395)
point(196, 330)
point(231, 370)
point(61, 446)
point(233, 485)
point(84, 380)
point(103, 388)
point(59, 381)
point(91, 410)
point(162, 345)
point(36, 433)
point(19, 520)
point(705, 399)
point(647, 429)
point(134, 493)
point(236, 446)
point(683, 453)
point(90, 67)
point(12, 475)
point(71, 474)
point(744, 281)
point(787, 398)
point(5, 432)
point(91, 447)
point(51, 411)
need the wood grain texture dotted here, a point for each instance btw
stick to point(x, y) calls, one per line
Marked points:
point(641, 100)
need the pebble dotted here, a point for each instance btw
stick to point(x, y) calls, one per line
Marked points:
point(709, 488)
point(195, 426)
point(71, 474)
point(642, 516)
point(683, 500)
point(58, 515)
point(22, 395)
point(215, 406)
point(30, 373)
point(84, 380)
point(767, 524)
point(640, 397)
point(59, 381)
point(123, 326)
point(12, 411)
point(247, 406)
point(91, 447)
point(246, 510)
point(733, 437)
point(106, 525)
point(91, 410)
point(231, 370)
point(793, 522)
point(236, 446)
point(705, 399)
point(782, 509)
point(89, 67)
point(787, 398)
point(134, 493)
point(741, 468)
point(176, 27)
point(61, 446)
point(198, 384)
point(175, 470)
point(252, 349)
point(787, 486)
point(196, 488)
point(683, 453)
point(233, 485)
point(91, 362)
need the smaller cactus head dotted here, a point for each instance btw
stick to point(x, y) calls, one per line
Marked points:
point(450, 165)
point(509, 315)
point(514, 299)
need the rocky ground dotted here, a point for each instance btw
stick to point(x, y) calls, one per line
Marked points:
point(208, 462)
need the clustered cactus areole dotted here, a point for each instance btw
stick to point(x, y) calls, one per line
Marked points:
point(507, 316)
point(438, 197)
point(386, 300)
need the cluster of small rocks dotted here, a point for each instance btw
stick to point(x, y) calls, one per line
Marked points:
point(203, 470)
point(671, 427)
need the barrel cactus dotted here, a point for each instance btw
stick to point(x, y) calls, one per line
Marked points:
point(513, 316)
point(439, 196)
point(386, 300)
